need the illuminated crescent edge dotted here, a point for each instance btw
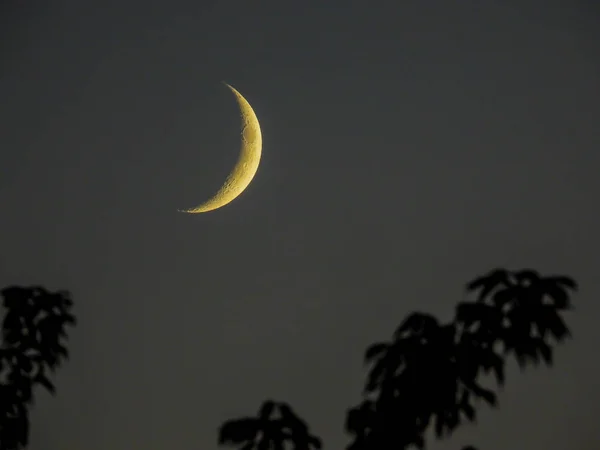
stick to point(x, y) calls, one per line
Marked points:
point(247, 164)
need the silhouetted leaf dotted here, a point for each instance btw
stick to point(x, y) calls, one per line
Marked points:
point(387, 362)
point(266, 410)
point(375, 351)
point(563, 281)
point(521, 357)
point(70, 319)
point(487, 283)
point(546, 351)
point(439, 426)
point(62, 351)
point(557, 327)
point(300, 436)
point(468, 411)
point(315, 442)
point(527, 277)
point(485, 394)
point(44, 381)
point(416, 323)
point(358, 418)
point(238, 431)
point(291, 418)
point(559, 295)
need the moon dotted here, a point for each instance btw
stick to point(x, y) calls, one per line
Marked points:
point(247, 164)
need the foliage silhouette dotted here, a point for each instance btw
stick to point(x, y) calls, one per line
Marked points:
point(33, 344)
point(429, 374)
point(265, 431)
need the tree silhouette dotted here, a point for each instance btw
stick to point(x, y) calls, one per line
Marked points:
point(33, 344)
point(429, 374)
point(267, 432)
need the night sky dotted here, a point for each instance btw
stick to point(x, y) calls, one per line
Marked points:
point(408, 147)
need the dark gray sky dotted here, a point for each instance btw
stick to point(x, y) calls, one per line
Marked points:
point(408, 146)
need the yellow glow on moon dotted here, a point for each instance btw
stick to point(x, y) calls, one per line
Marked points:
point(244, 170)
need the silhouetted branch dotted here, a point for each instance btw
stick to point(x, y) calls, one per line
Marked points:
point(429, 373)
point(268, 431)
point(33, 343)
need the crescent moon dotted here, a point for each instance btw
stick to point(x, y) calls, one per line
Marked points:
point(247, 164)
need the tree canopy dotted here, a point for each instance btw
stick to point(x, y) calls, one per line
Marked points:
point(34, 336)
point(429, 374)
